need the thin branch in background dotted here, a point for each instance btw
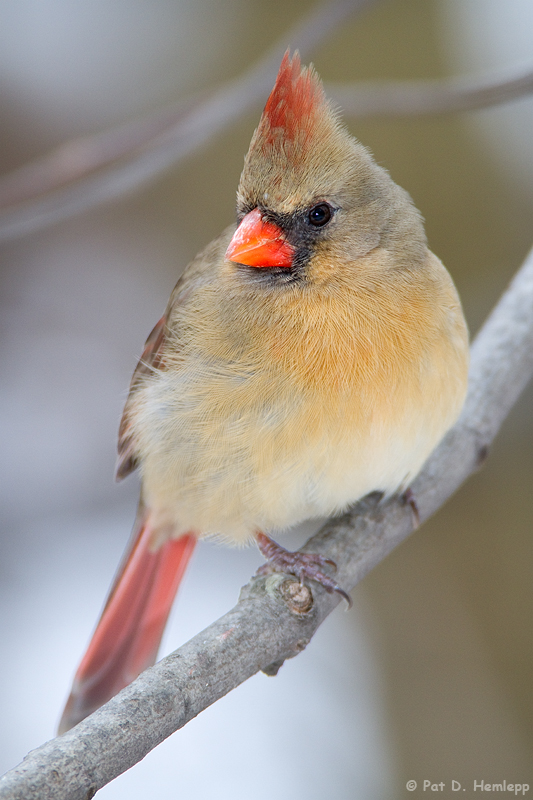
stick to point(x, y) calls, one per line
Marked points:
point(79, 157)
point(275, 617)
point(419, 98)
point(67, 181)
point(195, 128)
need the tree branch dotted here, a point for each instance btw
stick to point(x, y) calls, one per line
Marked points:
point(416, 98)
point(85, 172)
point(149, 156)
point(275, 618)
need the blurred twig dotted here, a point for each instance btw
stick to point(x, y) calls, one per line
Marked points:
point(79, 157)
point(417, 98)
point(265, 628)
point(85, 172)
point(149, 155)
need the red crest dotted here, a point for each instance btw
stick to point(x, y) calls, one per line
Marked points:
point(295, 102)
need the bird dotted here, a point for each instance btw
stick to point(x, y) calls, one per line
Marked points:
point(315, 352)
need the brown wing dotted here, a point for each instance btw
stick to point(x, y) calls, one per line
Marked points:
point(150, 359)
point(199, 272)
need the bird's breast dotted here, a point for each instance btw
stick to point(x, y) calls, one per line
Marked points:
point(260, 426)
point(231, 454)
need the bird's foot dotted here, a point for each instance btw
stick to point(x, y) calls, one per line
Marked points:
point(302, 565)
point(410, 499)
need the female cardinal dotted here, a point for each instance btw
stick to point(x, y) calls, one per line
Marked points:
point(311, 354)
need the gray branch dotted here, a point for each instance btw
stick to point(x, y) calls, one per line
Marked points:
point(76, 159)
point(197, 124)
point(86, 172)
point(275, 617)
point(418, 98)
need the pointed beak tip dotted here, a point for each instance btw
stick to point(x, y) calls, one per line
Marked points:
point(229, 252)
point(258, 243)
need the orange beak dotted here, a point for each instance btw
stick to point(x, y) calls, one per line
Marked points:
point(259, 244)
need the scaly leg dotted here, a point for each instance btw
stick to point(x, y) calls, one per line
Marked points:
point(302, 565)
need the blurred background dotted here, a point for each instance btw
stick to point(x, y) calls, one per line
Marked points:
point(429, 675)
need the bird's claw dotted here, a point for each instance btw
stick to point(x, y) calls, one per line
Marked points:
point(301, 565)
point(410, 499)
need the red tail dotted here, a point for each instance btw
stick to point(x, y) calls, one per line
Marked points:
point(129, 632)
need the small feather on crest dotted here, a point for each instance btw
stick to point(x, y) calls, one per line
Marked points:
point(294, 103)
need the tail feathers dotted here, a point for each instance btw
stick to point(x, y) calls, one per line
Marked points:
point(129, 632)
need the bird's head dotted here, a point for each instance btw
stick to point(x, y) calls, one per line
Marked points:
point(310, 197)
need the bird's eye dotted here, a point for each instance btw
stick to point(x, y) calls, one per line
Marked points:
point(319, 215)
